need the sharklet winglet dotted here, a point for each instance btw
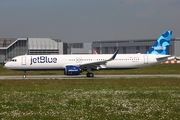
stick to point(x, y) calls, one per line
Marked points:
point(114, 55)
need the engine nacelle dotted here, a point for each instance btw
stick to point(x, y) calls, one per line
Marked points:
point(72, 70)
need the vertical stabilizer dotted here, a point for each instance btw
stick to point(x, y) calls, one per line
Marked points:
point(161, 46)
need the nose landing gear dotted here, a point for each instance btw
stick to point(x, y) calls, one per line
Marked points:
point(24, 76)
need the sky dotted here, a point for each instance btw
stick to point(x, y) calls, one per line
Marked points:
point(75, 21)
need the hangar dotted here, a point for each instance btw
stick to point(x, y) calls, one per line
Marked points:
point(124, 46)
point(133, 46)
point(11, 47)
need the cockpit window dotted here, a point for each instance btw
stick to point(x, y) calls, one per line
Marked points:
point(13, 60)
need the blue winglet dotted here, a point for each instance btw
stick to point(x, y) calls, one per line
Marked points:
point(114, 55)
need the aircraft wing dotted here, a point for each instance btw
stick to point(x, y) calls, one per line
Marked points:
point(97, 64)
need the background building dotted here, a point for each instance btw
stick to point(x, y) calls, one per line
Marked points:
point(133, 46)
point(80, 48)
point(12, 47)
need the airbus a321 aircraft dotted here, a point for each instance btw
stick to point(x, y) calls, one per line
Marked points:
point(75, 64)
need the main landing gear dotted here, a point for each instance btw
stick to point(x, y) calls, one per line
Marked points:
point(89, 73)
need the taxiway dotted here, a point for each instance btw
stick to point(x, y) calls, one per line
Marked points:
point(84, 77)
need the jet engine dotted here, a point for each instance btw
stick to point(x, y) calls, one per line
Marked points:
point(72, 70)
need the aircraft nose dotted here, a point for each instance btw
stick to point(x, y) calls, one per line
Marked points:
point(6, 65)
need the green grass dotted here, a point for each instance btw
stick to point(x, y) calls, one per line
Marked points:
point(154, 69)
point(91, 99)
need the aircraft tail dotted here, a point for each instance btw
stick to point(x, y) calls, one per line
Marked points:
point(95, 52)
point(161, 46)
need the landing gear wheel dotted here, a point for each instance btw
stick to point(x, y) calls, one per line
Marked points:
point(89, 75)
point(24, 76)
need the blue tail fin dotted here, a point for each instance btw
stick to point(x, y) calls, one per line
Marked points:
point(161, 46)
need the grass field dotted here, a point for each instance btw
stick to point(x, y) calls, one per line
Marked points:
point(92, 99)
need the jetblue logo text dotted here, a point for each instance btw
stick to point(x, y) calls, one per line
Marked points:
point(43, 59)
point(159, 48)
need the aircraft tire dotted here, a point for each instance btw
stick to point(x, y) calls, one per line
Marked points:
point(89, 75)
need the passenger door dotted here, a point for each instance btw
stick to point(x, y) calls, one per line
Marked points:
point(23, 60)
point(145, 59)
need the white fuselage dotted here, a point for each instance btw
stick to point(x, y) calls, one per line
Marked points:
point(58, 62)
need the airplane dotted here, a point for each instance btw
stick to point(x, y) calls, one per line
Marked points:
point(75, 64)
